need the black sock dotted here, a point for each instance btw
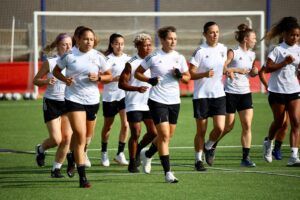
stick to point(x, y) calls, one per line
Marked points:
point(277, 145)
point(81, 171)
point(131, 160)
point(165, 162)
point(104, 147)
point(151, 151)
point(121, 147)
point(245, 153)
point(139, 149)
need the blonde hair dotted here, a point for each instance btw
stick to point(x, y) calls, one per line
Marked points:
point(49, 48)
point(140, 38)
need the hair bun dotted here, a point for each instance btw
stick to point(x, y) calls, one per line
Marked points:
point(242, 27)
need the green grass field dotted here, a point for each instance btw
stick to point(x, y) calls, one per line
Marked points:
point(22, 127)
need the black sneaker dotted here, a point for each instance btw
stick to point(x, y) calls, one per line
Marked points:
point(199, 166)
point(40, 157)
point(209, 156)
point(56, 173)
point(247, 163)
point(83, 183)
point(71, 165)
point(132, 167)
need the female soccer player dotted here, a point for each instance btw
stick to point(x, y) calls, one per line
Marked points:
point(84, 68)
point(283, 87)
point(137, 94)
point(55, 117)
point(114, 100)
point(280, 135)
point(167, 68)
point(206, 68)
point(240, 65)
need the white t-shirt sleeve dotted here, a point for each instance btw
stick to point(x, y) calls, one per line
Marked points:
point(195, 59)
point(62, 61)
point(273, 55)
point(183, 64)
point(104, 65)
point(146, 63)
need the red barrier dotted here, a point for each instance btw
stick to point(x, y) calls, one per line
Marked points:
point(14, 77)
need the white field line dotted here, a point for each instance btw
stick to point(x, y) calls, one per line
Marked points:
point(114, 149)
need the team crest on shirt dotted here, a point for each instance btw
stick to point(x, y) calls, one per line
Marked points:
point(222, 54)
point(92, 60)
point(241, 58)
point(206, 56)
point(250, 59)
point(284, 53)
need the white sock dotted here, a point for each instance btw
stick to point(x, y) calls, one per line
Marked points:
point(294, 152)
point(198, 156)
point(56, 165)
point(209, 144)
point(41, 149)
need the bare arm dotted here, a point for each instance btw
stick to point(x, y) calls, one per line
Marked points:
point(194, 75)
point(262, 77)
point(57, 73)
point(139, 74)
point(272, 66)
point(105, 77)
point(124, 81)
point(38, 78)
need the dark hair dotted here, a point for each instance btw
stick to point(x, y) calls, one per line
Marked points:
point(85, 29)
point(76, 32)
point(163, 32)
point(286, 24)
point(112, 38)
point(54, 44)
point(243, 31)
point(207, 25)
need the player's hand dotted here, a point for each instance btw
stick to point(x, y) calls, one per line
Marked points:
point(69, 81)
point(177, 73)
point(253, 72)
point(153, 81)
point(210, 73)
point(230, 74)
point(51, 81)
point(93, 76)
point(142, 89)
point(288, 59)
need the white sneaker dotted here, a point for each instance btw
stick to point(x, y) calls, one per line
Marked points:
point(170, 178)
point(146, 162)
point(87, 161)
point(104, 159)
point(121, 159)
point(267, 150)
point(293, 162)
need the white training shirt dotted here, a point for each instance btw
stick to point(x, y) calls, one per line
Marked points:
point(111, 91)
point(136, 101)
point(78, 66)
point(205, 58)
point(240, 83)
point(57, 91)
point(284, 80)
point(162, 64)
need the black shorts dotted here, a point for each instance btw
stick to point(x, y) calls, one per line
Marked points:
point(208, 107)
point(91, 110)
point(138, 116)
point(279, 98)
point(110, 109)
point(238, 102)
point(163, 112)
point(53, 109)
